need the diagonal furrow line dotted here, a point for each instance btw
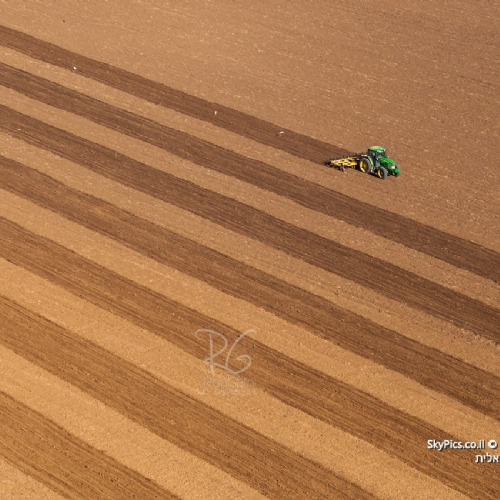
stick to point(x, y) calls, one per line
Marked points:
point(295, 384)
point(264, 464)
point(470, 385)
point(454, 250)
point(235, 121)
point(63, 462)
point(383, 277)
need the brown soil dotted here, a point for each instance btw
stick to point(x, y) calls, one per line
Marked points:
point(108, 317)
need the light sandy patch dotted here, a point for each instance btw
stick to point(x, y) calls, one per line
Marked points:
point(389, 313)
point(391, 387)
point(16, 485)
point(102, 427)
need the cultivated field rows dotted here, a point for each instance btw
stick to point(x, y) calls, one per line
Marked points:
point(132, 216)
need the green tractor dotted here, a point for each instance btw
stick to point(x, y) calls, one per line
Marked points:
point(377, 162)
point(373, 161)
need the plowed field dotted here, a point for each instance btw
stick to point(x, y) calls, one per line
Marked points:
point(192, 306)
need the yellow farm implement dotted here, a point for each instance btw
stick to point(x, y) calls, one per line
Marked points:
point(342, 163)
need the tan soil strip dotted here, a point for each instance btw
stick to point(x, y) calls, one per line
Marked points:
point(418, 326)
point(280, 336)
point(318, 315)
point(409, 233)
point(16, 485)
point(385, 278)
point(250, 457)
point(352, 458)
point(104, 429)
point(282, 208)
point(63, 462)
point(352, 411)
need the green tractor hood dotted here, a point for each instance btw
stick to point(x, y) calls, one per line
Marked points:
point(389, 164)
point(379, 158)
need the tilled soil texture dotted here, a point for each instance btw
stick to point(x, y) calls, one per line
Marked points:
point(167, 332)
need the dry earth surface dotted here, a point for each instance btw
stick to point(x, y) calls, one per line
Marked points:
point(192, 306)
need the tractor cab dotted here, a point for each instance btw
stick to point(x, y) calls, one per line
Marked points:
point(381, 164)
point(376, 153)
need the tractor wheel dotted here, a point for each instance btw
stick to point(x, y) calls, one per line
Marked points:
point(365, 165)
point(382, 173)
point(397, 174)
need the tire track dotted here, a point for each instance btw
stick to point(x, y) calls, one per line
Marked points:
point(336, 403)
point(433, 242)
point(469, 385)
point(64, 463)
point(260, 462)
point(383, 277)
